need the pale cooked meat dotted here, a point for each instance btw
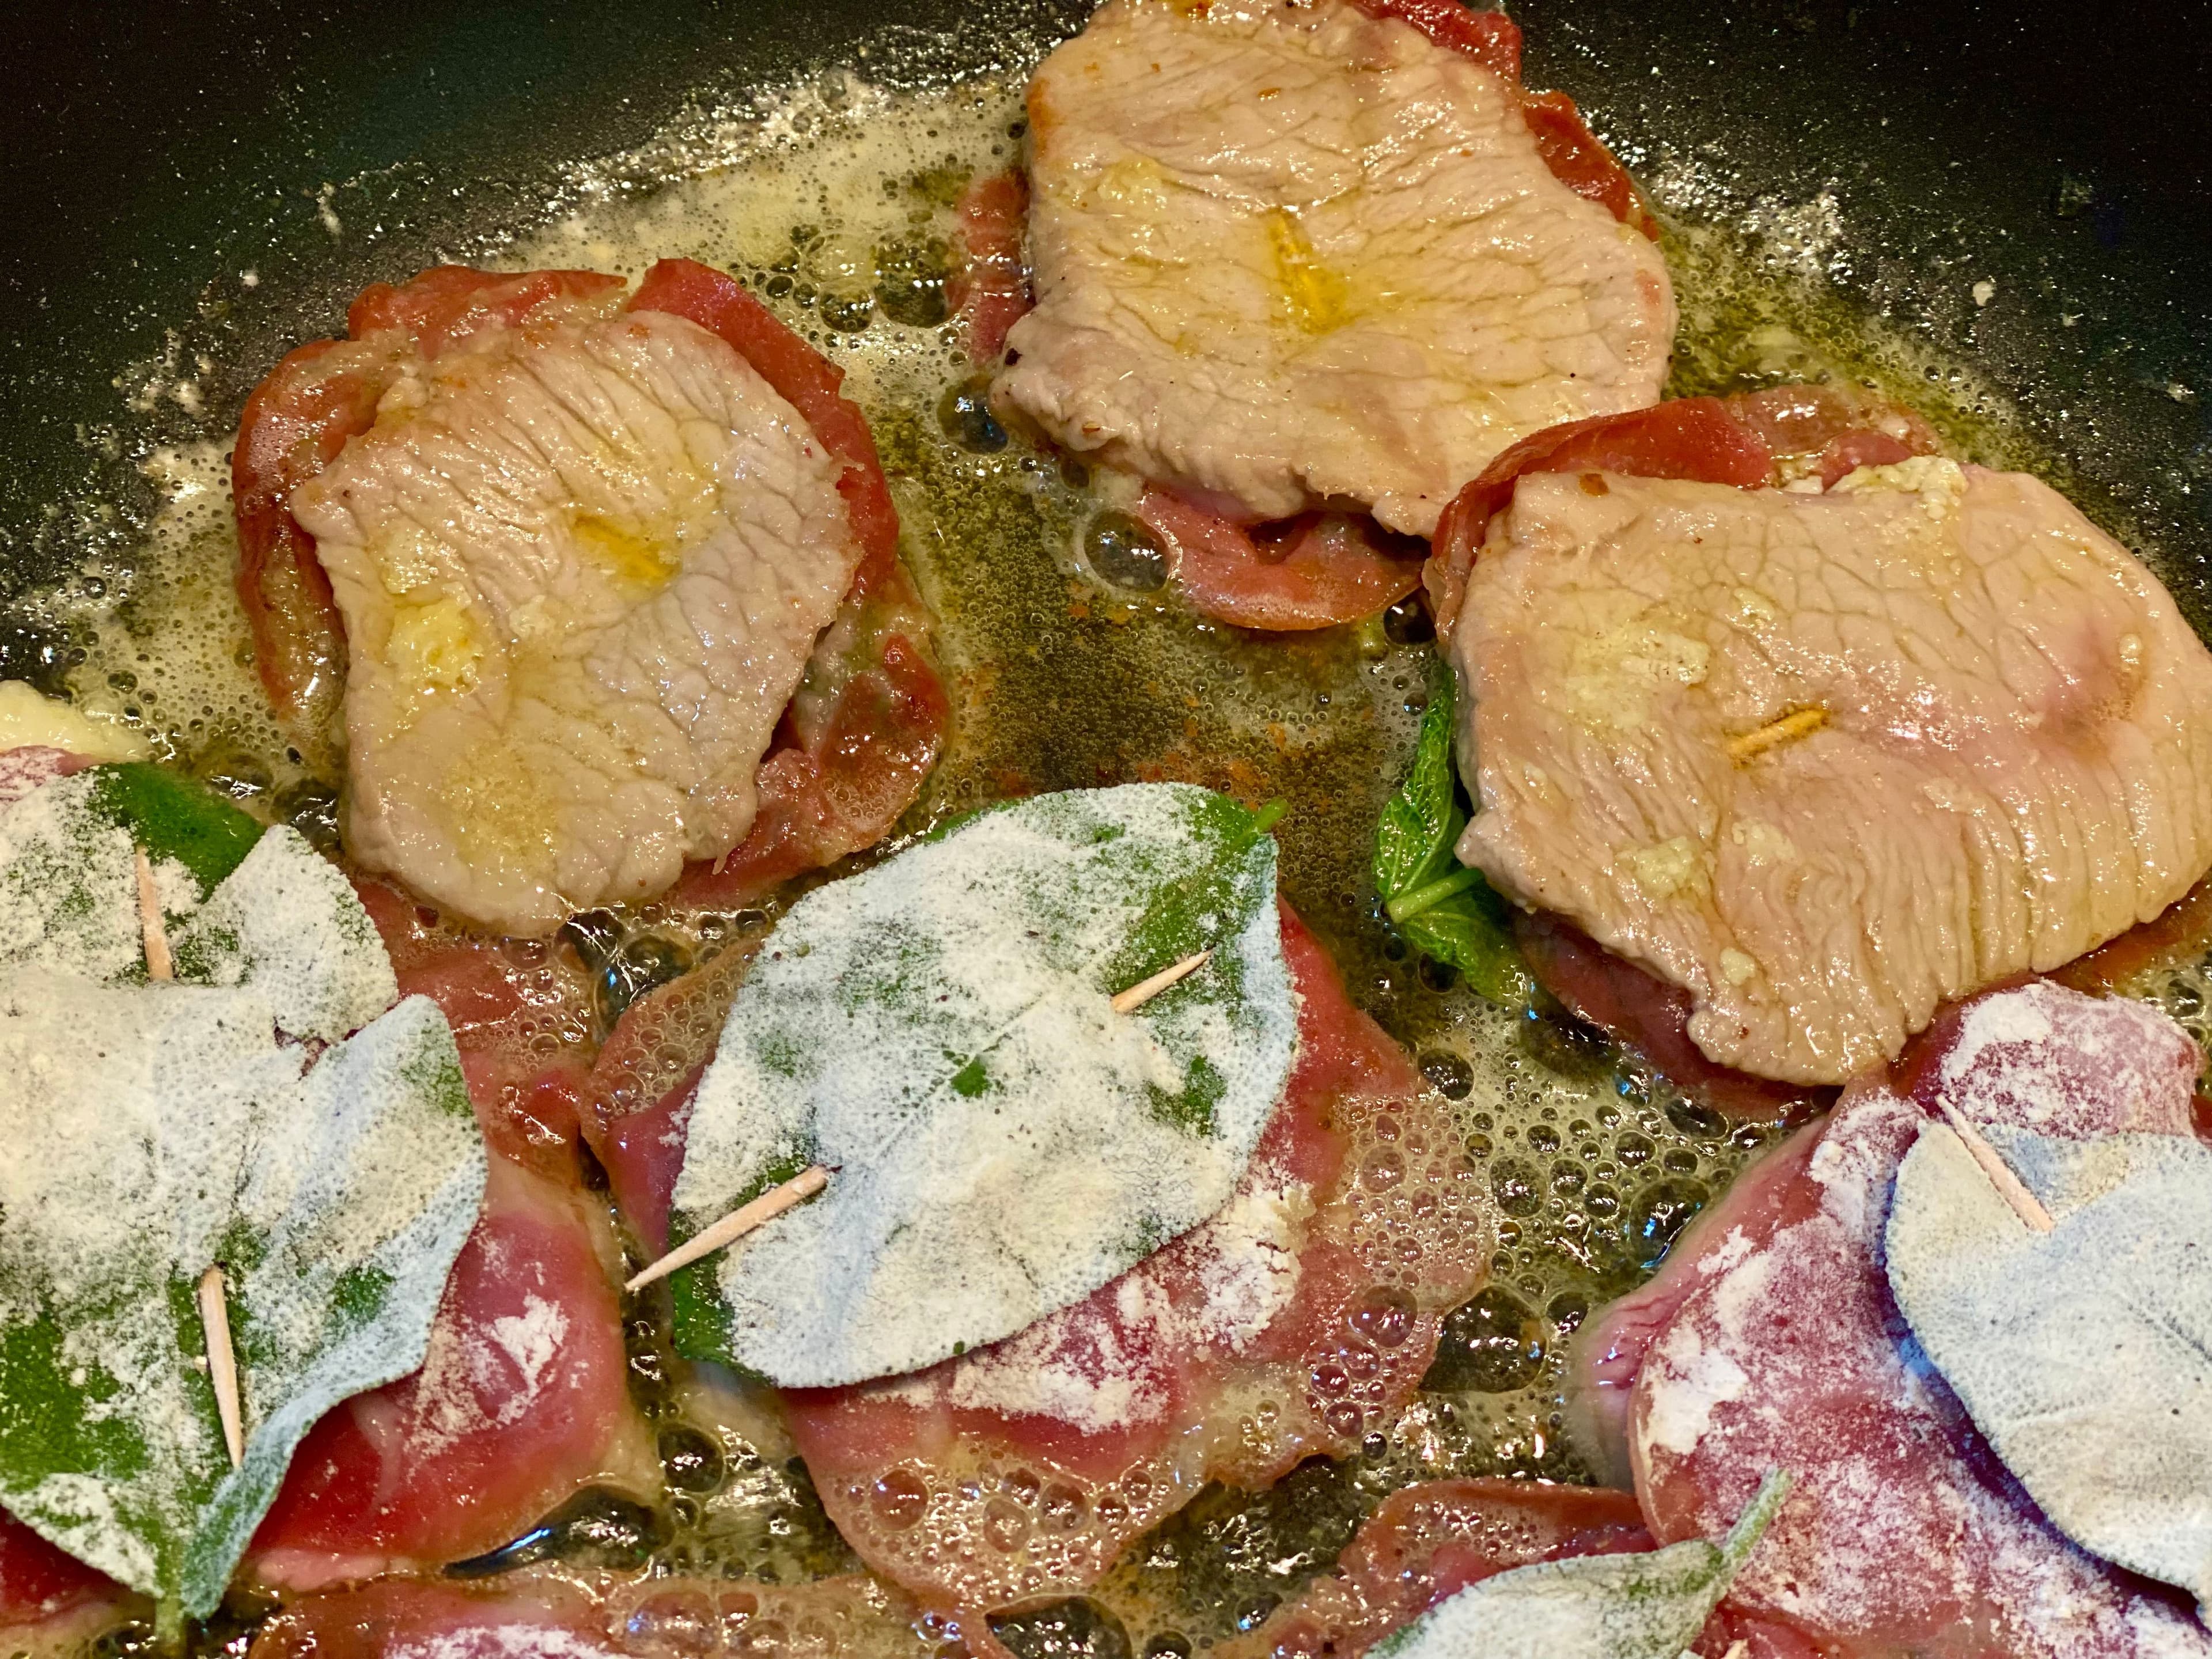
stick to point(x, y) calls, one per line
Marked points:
point(581, 565)
point(1826, 761)
point(1286, 254)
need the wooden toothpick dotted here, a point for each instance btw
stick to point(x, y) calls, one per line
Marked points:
point(736, 1225)
point(222, 1360)
point(2010, 1188)
point(1146, 989)
point(1737, 1649)
point(154, 936)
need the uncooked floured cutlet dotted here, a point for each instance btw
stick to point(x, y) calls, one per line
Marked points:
point(1827, 761)
point(581, 564)
point(1286, 254)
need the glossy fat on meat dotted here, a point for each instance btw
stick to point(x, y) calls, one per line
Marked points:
point(581, 564)
point(1828, 760)
point(1772, 1341)
point(1290, 255)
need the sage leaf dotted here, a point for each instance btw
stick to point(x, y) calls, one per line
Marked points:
point(2083, 1354)
point(938, 1031)
point(1443, 909)
point(157, 1129)
point(1649, 1605)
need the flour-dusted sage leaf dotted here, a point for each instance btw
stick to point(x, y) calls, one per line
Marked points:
point(241, 905)
point(156, 1130)
point(2084, 1354)
point(1443, 909)
point(1592, 1606)
point(288, 922)
point(938, 1032)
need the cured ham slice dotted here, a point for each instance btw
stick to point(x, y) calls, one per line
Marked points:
point(1311, 571)
point(1286, 1328)
point(1770, 1340)
point(521, 1402)
point(50, 1602)
point(587, 1617)
point(1823, 761)
point(519, 1018)
point(649, 513)
point(1428, 1542)
point(988, 289)
point(1291, 258)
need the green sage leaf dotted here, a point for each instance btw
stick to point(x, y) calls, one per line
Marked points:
point(2084, 1353)
point(157, 1129)
point(1592, 1606)
point(1443, 909)
point(938, 1031)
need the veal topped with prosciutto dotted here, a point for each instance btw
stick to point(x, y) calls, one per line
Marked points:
point(1318, 257)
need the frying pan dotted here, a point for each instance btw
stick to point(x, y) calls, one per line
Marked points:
point(2022, 188)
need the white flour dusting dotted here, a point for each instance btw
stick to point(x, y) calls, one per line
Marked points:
point(938, 1032)
point(161, 1128)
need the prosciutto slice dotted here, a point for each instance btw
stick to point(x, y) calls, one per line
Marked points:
point(50, 1602)
point(521, 1402)
point(1287, 1326)
point(1770, 1340)
point(1428, 1542)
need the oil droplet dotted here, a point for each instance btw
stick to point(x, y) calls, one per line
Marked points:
point(1125, 554)
point(1384, 1170)
point(1005, 1526)
point(1659, 1216)
point(1384, 1316)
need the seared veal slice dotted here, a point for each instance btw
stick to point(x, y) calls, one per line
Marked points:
point(1770, 1340)
point(1289, 255)
point(582, 562)
point(1826, 760)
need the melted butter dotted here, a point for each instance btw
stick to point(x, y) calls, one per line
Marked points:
point(643, 559)
point(1315, 299)
point(434, 646)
